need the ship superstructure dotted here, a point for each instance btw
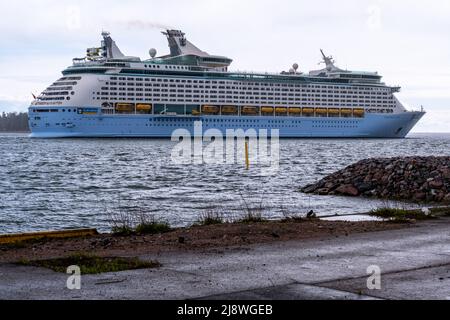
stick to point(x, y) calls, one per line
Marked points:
point(109, 94)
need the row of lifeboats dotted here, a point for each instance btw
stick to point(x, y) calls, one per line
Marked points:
point(248, 110)
point(131, 108)
point(330, 112)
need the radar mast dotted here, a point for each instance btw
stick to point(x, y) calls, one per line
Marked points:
point(328, 61)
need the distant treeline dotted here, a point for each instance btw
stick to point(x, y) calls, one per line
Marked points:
point(14, 122)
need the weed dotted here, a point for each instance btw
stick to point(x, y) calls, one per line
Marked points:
point(251, 214)
point(150, 225)
point(210, 217)
point(399, 215)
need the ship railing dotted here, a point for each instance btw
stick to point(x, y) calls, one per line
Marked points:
point(421, 109)
point(78, 61)
point(255, 73)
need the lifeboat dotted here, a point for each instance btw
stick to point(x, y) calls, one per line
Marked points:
point(195, 112)
point(229, 109)
point(267, 110)
point(334, 112)
point(144, 107)
point(321, 112)
point(308, 112)
point(359, 112)
point(281, 110)
point(295, 111)
point(210, 109)
point(249, 110)
point(346, 112)
point(125, 107)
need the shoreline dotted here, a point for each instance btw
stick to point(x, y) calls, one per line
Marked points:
point(210, 234)
point(195, 238)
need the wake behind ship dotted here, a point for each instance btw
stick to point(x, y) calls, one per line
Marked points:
point(108, 94)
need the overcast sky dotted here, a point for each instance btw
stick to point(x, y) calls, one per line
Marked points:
point(408, 42)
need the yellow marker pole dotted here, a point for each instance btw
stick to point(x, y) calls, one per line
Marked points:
point(247, 162)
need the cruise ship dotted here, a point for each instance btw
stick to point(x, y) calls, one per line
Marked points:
point(108, 94)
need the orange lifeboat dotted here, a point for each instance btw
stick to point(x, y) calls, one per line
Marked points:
point(295, 111)
point(334, 112)
point(229, 109)
point(146, 108)
point(281, 110)
point(249, 110)
point(210, 109)
point(267, 109)
point(125, 107)
point(359, 112)
point(346, 112)
point(321, 112)
point(308, 112)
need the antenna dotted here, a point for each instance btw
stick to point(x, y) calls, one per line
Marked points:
point(323, 54)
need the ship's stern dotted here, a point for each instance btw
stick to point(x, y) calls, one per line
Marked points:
point(52, 122)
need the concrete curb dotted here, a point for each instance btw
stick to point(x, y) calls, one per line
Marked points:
point(72, 233)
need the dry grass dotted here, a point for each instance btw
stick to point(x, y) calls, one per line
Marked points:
point(90, 264)
point(211, 217)
point(399, 215)
point(251, 213)
point(132, 219)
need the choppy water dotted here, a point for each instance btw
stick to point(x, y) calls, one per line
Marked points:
point(67, 183)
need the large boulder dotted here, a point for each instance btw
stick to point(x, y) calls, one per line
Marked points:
point(347, 190)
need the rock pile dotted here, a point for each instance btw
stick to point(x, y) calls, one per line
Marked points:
point(420, 179)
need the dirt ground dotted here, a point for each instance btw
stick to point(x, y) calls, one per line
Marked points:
point(193, 238)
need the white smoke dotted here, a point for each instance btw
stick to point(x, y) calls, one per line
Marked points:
point(138, 24)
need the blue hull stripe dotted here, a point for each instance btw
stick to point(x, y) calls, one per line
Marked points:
point(65, 125)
